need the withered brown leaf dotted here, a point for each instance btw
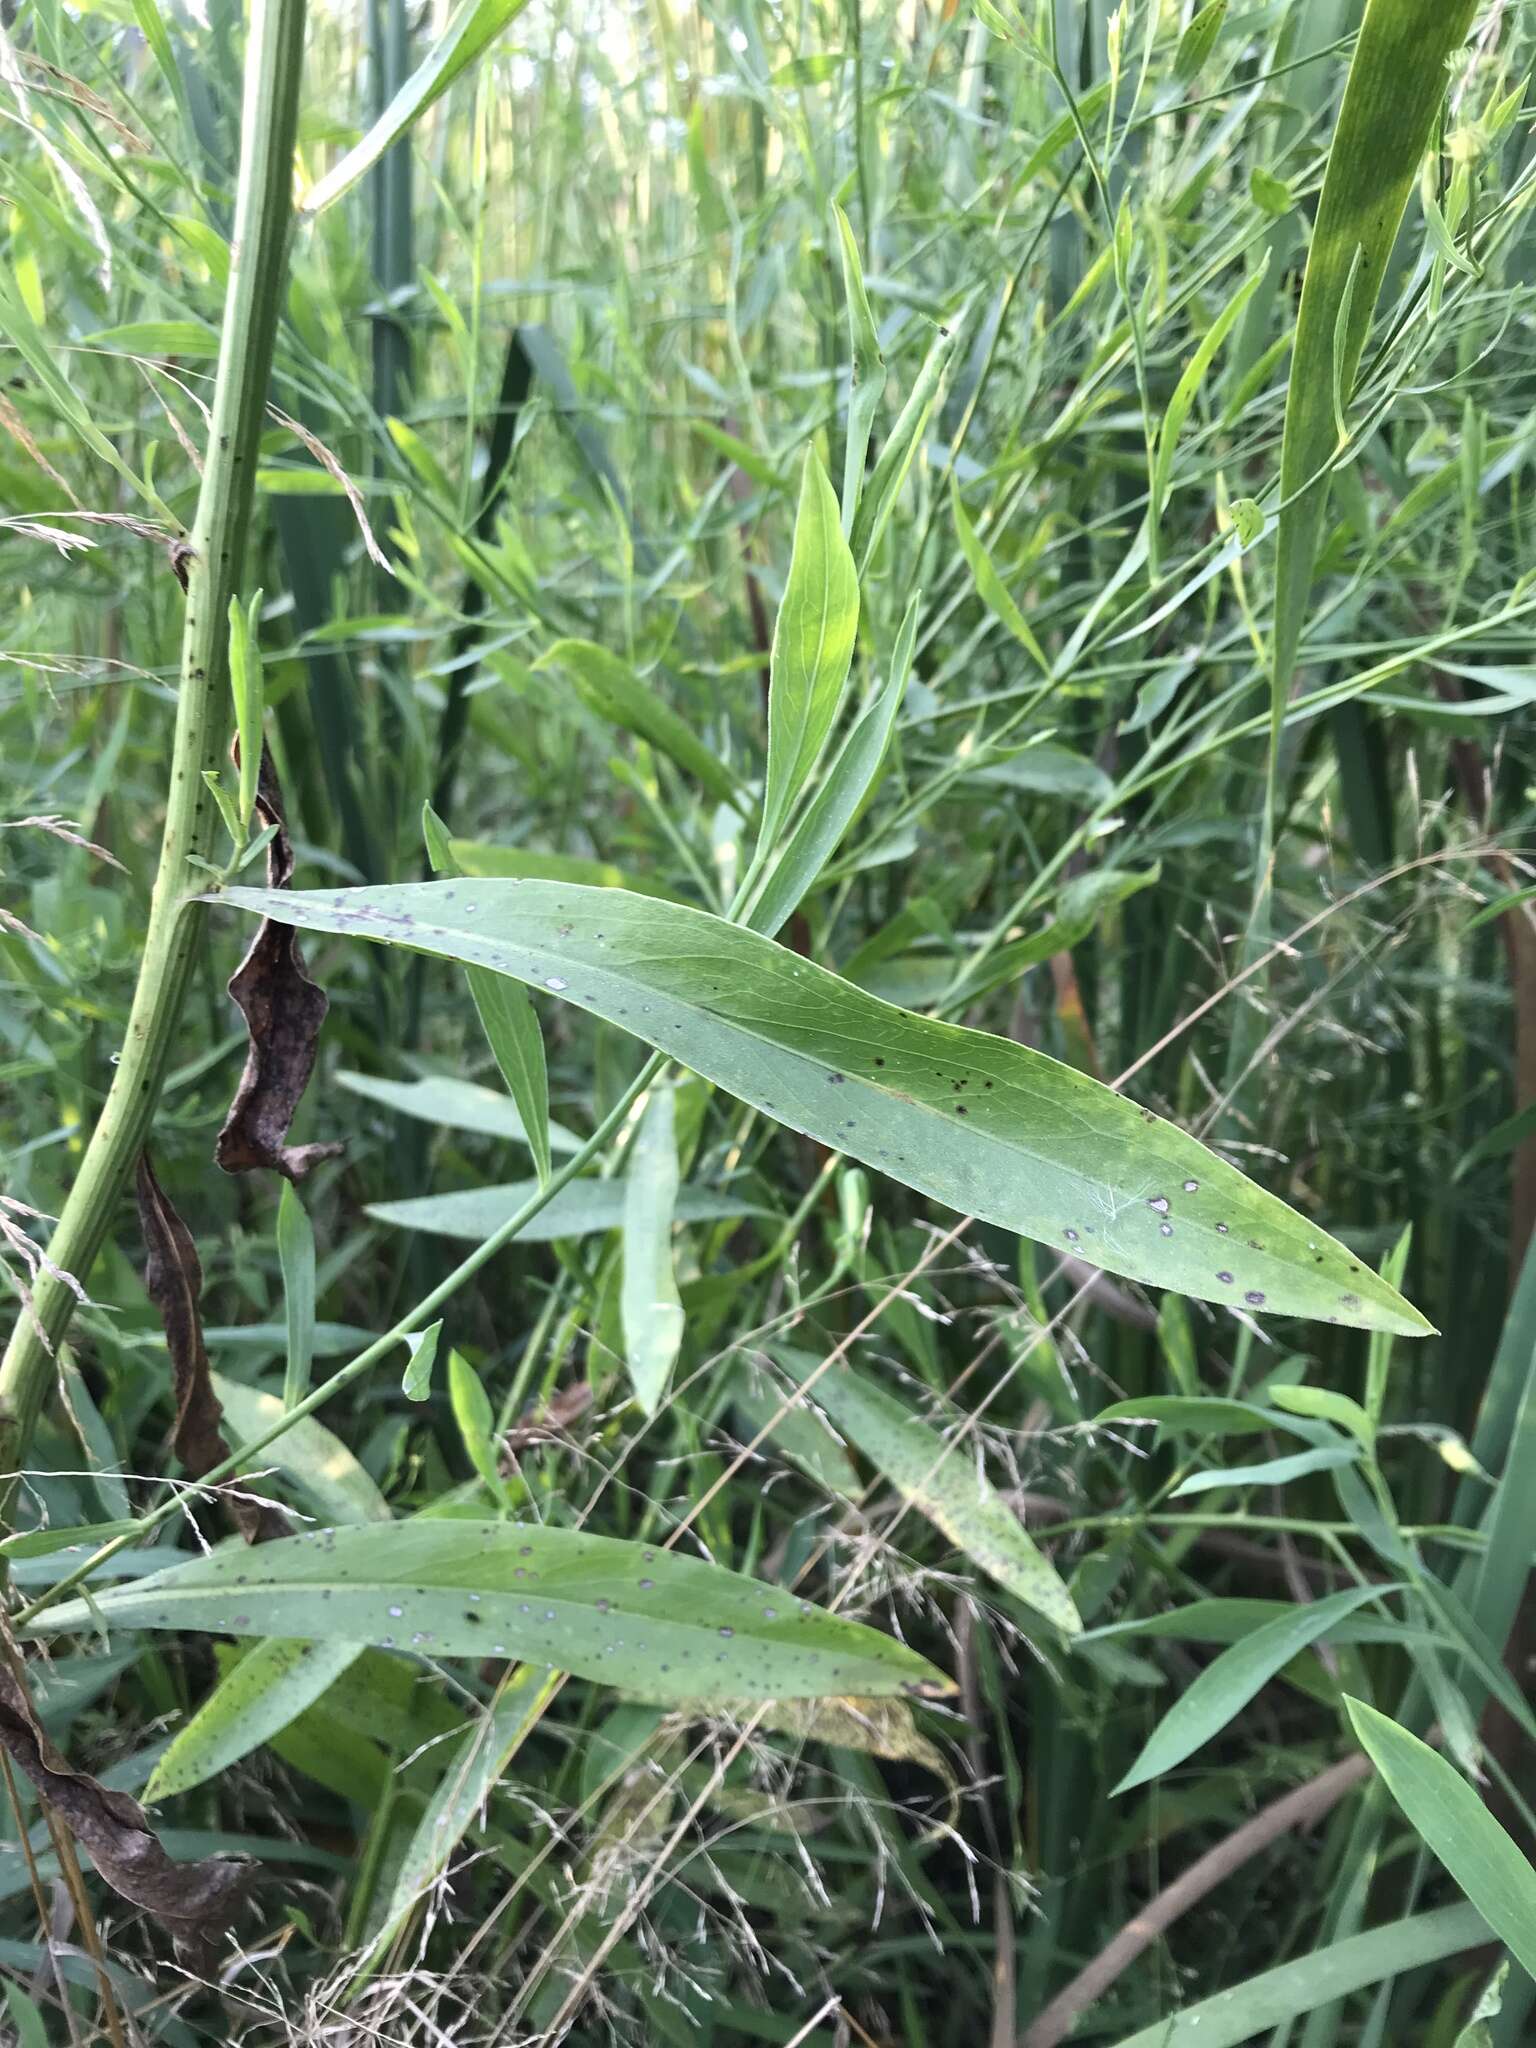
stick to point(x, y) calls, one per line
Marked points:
point(193, 1901)
point(283, 1012)
point(173, 1280)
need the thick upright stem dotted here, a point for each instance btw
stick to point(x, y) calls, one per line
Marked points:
point(263, 208)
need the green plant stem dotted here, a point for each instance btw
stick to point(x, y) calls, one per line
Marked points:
point(354, 1369)
point(263, 209)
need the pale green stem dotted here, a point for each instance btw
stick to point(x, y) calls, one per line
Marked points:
point(263, 207)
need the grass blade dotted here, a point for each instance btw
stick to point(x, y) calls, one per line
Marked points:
point(468, 35)
point(812, 647)
point(650, 1308)
point(1226, 1686)
point(1449, 1816)
point(941, 1481)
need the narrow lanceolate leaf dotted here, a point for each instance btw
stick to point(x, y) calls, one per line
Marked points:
point(906, 436)
point(990, 587)
point(866, 370)
point(1226, 1686)
point(812, 646)
point(512, 1031)
point(1397, 78)
point(317, 1463)
point(579, 1210)
point(1450, 1817)
point(844, 787)
point(270, 1687)
point(650, 1307)
point(472, 30)
point(977, 1122)
point(477, 1762)
point(1252, 2010)
point(246, 686)
point(941, 1481)
point(612, 691)
point(622, 1613)
point(1188, 387)
point(421, 1349)
point(296, 1256)
point(455, 1104)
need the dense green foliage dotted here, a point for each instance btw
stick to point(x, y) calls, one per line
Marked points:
point(948, 587)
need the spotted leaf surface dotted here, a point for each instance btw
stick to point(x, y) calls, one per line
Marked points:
point(981, 1124)
point(624, 1613)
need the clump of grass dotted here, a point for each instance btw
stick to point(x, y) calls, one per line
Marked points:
point(1024, 285)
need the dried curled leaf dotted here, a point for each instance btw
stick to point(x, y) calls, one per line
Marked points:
point(193, 1901)
point(283, 1011)
point(173, 1280)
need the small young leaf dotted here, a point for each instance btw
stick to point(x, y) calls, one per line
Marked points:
point(941, 1481)
point(477, 1423)
point(1198, 41)
point(1269, 1472)
point(422, 1346)
point(511, 1028)
point(248, 689)
point(1321, 1405)
point(650, 1307)
point(1455, 1825)
point(990, 587)
point(812, 647)
point(296, 1256)
point(471, 31)
point(1227, 1684)
point(612, 691)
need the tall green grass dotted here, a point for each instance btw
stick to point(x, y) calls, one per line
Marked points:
point(1031, 285)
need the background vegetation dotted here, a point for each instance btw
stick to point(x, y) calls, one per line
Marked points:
point(547, 374)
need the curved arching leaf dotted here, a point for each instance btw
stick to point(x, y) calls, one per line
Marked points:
point(977, 1122)
point(624, 1614)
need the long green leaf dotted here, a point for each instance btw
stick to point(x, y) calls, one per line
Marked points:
point(296, 1257)
point(621, 1613)
point(457, 1105)
point(843, 789)
point(579, 1210)
point(612, 691)
point(511, 1028)
point(318, 1463)
point(1227, 1684)
point(269, 1687)
point(866, 371)
point(1277, 1996)
point(941, 1481)
point(650, 1308)
point(1397, 78)
point(477, 1762)
point(1452, 1820)
point(472, 30)
point(977, 1122)
point(812, 646)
